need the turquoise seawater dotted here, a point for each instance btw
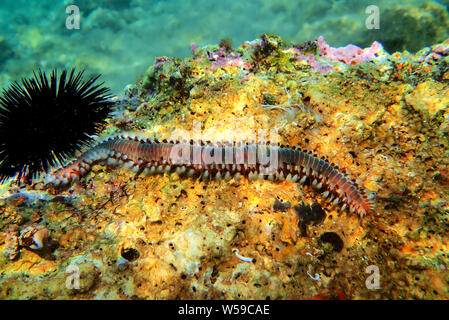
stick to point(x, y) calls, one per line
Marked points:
point(121, 38)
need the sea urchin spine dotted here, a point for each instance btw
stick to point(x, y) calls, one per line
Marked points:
point(148, 156)
point(45, 120)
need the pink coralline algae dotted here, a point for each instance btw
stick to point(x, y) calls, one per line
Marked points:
point(444, 51)
point(350, 54)
point(313, 62)
point(223, 58)
point(438, 51)
point(325, 55)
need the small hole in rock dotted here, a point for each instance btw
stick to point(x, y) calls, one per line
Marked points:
point(130, 254)
point(333, 239)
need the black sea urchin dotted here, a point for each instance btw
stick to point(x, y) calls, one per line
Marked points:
point(44, 121)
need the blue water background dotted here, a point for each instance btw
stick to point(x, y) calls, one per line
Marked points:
point(121, 38)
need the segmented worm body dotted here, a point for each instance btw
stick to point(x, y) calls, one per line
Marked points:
point(220, 161)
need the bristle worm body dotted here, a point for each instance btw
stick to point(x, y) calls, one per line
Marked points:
point(220, 161)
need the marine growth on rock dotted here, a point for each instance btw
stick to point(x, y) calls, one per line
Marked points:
point(179, 193)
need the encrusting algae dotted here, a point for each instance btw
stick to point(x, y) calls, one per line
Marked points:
point(383, 119)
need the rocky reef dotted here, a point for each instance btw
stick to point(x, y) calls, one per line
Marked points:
point(382, 118)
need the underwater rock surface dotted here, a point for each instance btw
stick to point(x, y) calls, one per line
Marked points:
point(382, 118)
